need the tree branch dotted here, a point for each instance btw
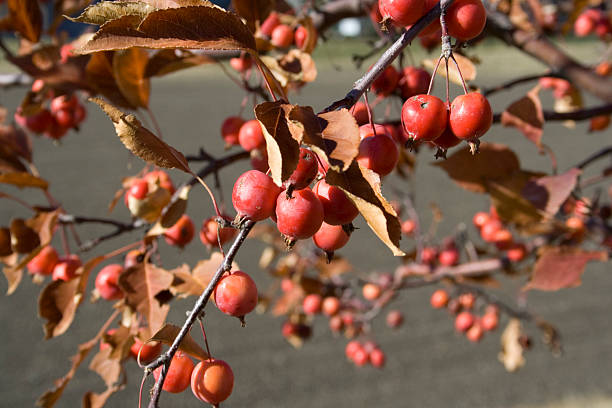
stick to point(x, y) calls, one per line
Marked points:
point(165, 359)
point(581, 114)
point(517, 81)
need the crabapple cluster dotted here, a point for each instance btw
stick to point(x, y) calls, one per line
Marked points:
point(593, 21)
point(493, 231)
point(64, 112)
point(48, 262)
point(363, 353)
point(282, 35)
point(467, 321)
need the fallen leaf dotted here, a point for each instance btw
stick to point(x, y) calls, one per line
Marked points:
point(362, 187)
point(511, 354)
point(526, 115)
point(23, 179)
point(129, 71)
point(105, 11)
point(141, 141)
point(561, 267)
point(168, 333)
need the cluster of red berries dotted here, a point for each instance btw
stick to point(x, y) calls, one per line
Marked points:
point(466, 322)
point(593, 21)
point(492, 230)
point(282, 35)
point(48, 262)
point(363, 353)
point(64, 112)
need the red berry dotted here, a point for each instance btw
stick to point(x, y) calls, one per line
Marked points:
point(161, 178)
point(251, 136)
point(212, 236)
point(335, 324)
point(212, 381)
point(447, 139)
point(475, 333)
point(470, 116)
point(360, 357)
point(179, 373)
point(270, 24)
point(254, 195)
point(301, 35)
point(448, 257)
point(282, 36)
point(312, 304)
point(242, 63)
point(402, 12)
point(236, 294)
point(79, 114)
point(37, 123)
point(489, 321)
point(464, 321)
point(181, 233)
point(386, 82)
point(66, 268)
point(55, 131)
point(330, 237)
point(360, 113)
point(133, 258)
point(65, 118)
point(489, 229)
point(63, 102)
point(305, 172)
point(414, 81)
point(299, 217)
point(516, 252)
point(378, 153)
point(585, 23)
point(371, 291)
point(107, 282)
point(377, 358)
point(466, 19)
point(259, 160)
point(38, 85)
point(439, 299)
point(367, 131)
point(408, 227)
point(503, 239)
point(230, 129)
point(148, 352)
point(395, 318)
point(480, 219)
point(337, 208)
point(428, 255)
point(139, 189)
point(44, 262)
point(467, 300)
point(351, 348)
point(330, 306)
point(424, 117)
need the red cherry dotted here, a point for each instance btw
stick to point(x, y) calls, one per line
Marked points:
point(160, 177)
point(208, 233)
point(337, 208)
point(301, 35)
point(299, 217)
point(402, 12)
point(148, 351)
point(179, 373)
point(37, 123)
point(107, 282)
point(386, 82)
point(312, 304)
point(480, 219)
point(251, 136)
point(414, 81)
point(360, 113)
point(424, 117)
point(282, 36)
point(65, 118)
point(377, 358)
point(371, 291)
point(464, 321)
point(428, 255)
point(254, 195)
point(466, 19)
point(475, 333)
point(181, 233)
point(439, 299)
point(236, 294)
point(270, 24)
point(230, 129)
point(489, 321)
point(330, 238)
point(516, 253)
point(489, 229)
point(331, 306)
point(448, 257)
point(394, 319)
point(66, 268)
point(585, 23)
point(212, 381)
point(470, 116)
point(378, 153)
point(305, 172)
point(242, 63)
point(44, 262)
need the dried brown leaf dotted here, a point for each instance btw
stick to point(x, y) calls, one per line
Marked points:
point(253, 11)
point(362, 186)
point(105, 11)
point(24, 17)
point(57, 304)
point(511, 354)
point(129, 68)
point(199, 27)
point(176, 209)
point(526, 115)
point(550, 192)
point(141, 141)
point(106, 367)
point(23, 179)
point(168, 333)
point(167, 61)
point(341, 138)
point(15, 142)
point(100, 75)
point(561, 267)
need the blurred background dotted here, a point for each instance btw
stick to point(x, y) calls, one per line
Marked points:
point(428, 365)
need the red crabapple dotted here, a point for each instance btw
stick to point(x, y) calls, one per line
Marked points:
point(330, 238)
point(408, 227)
point(254, 195)
point(394, 319)
point(282, 36)
point(299, 217)
point(377, 358)
point(66, 268)
point(211, 235)
point(448, 256)
point(464, 321)
point(439, 299)
point(351, 347)
point(179, 373)
point(402, 12)
point(330, 306)
point(466, 19)
point(386, 82)
point(301, 37)
point(475, 333)
point(503, 239)
point(181, 233)
point(489, 321)
point(360, 357)
point(44, 262)
point(428, 255)
point(337, 208)
point(424, 117)
point(312, 304)
point(305, 172)
point(251, 136)
point(270, 24)
point(414, 81)
point(470, 115)
point(360, 113)
point(236, 294)
point(489, 229)
point(148, 351)
point(516, 252)
point(371, 291)
point(212, 381)
point(107, 282)
point(133, 258)
point(161, 178)
point(230, 129)
point(242, 63)
point(480, 219)
point(68, 102)
point(467, 300)
point(378, 153)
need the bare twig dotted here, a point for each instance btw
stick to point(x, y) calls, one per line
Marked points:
point(581, 114)
point(516, 81)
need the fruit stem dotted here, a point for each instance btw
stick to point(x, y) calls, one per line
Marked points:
point(433, 75)
point(369, 110)
point(465, 90)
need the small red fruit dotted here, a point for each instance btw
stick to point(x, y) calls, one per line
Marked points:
point(305, 172)
point(179, 373)
point(402, 12)
point(299, 217)
point(598, 123)
point(212, 381)
point(161, 178)
point(377, 358)
point(464, 321)
point(448, 257)
point(282, 36)
point(489, 229)
point(44, 262)
point(148, 352)
point(480, 219)
point(107, 282)
point(236, 294)
point(516, 252)
point(351, 348)
point(378, 153)
point(251, 136)
point(65, 118)
point(330, 238)
point(242, 63)
point(66, 268)
point(585, 23)
point(414, 81)
point(466, 19)
point(330, 306)
point(211, 235)
point(230, 129)
point(337, 208)
point(439, 299)
point(181, 233)
point(386, 82)
point(503, 239)
point(371, 291)
point(489, 321)
point(63, 102)
point(270, 24)
point(360, 113)
point(470, 116)
point(301, 37)
point(447, 139)
point(312, 304)
point(254, 195)
point(424, 117)
point(428, 255)
point(408, 227)
point(133, 258)
point(475, 333)
point(467, 300)
point(394, 319)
